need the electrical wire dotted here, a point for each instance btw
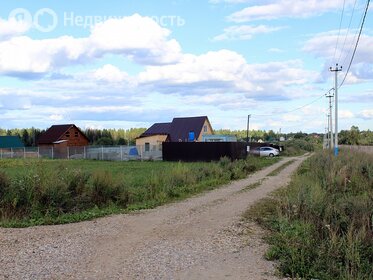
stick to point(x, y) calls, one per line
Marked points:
point(339, 31)
point(291, 111)
point(353, 40)
point(347, 33)
point(357, 43)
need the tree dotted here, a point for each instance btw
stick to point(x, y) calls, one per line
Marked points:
point(122, 141)
point(104, 141)
point(26, 138)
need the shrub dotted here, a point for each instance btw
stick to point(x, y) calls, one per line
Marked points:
point(322, 223)
point(103, 189)
point(4, 184)
point(297, 147)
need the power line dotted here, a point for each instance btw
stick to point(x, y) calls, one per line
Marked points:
point(339, 31)
point(291, 111)
point(357, 43)
point(348, 31)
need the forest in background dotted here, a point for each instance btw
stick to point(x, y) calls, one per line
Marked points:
point(108, 137)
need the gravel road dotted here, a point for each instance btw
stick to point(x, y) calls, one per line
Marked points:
point(199, 238)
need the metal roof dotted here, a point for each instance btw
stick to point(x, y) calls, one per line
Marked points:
point(178, 129)
point(157, 129)
point(11, 142)
point(55, 132)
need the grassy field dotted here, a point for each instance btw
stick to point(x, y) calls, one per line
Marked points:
point(35, 192)
point(321, 225)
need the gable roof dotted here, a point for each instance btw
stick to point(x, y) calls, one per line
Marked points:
point(180, 127)
point(11, 142)
point(157, 129)
point(55, 132)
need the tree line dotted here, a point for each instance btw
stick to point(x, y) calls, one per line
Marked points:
point(109, 137)
point(106, 137)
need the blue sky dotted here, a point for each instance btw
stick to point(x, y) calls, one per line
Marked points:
point(123, 64)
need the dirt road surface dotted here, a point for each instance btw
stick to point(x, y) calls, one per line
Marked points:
point(199, 238)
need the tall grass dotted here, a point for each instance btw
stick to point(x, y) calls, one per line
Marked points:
point(40, 194)
point(322, 223)
point(297, 147)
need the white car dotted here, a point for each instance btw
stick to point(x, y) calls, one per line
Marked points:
point(267, 152)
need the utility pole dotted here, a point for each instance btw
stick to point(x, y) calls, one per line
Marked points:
point(336, 70)
point(247, 131)
point(330, 125)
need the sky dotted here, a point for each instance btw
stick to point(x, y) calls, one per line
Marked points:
point(124, 64)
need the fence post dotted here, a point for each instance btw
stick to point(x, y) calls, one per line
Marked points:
point(24, 152)
point(68, 152)
point(1, 153)
point(11, 152)
point(38, 152)
point(102, 153)
point(121, 153)
point(84, 153)
point(52, 153)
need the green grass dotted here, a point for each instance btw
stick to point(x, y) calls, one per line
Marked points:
point(320, 226)
point(297, 147)
point(36, 192)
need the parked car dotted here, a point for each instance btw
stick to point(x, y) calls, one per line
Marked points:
point(266, 152)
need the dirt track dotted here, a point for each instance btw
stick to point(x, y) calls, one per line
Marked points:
point(199, 238)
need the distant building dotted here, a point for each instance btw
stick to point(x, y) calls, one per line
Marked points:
point(7, 142)
point(190, 129)
point(219, 138)
point(65, 135)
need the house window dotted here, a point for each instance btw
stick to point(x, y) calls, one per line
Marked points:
point(76, 134)
point(147, 147)
point(67, 134)
point(205, 128)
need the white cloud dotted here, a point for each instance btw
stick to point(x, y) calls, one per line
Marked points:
point(110, 73)
point(323, 46)
point(345, 114)
point(286, 8)
point(226, 71)
point(56, 117)
point(137, 38)
point(292, 118)
point(366, 114)
point(223, 66)
point(245, 32)
point(12, 27)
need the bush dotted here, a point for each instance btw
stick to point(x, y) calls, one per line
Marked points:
point(44, 194)
point(4, 184)
point(322, 224)
point(297, 147)
point(103, 189)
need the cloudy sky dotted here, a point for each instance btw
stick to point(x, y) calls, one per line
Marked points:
point(123, 64)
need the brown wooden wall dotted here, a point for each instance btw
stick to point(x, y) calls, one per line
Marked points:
point(74, 138)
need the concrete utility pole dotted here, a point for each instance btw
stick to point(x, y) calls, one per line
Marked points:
point(336, 70)
point(248, 128)
point(330, 125)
